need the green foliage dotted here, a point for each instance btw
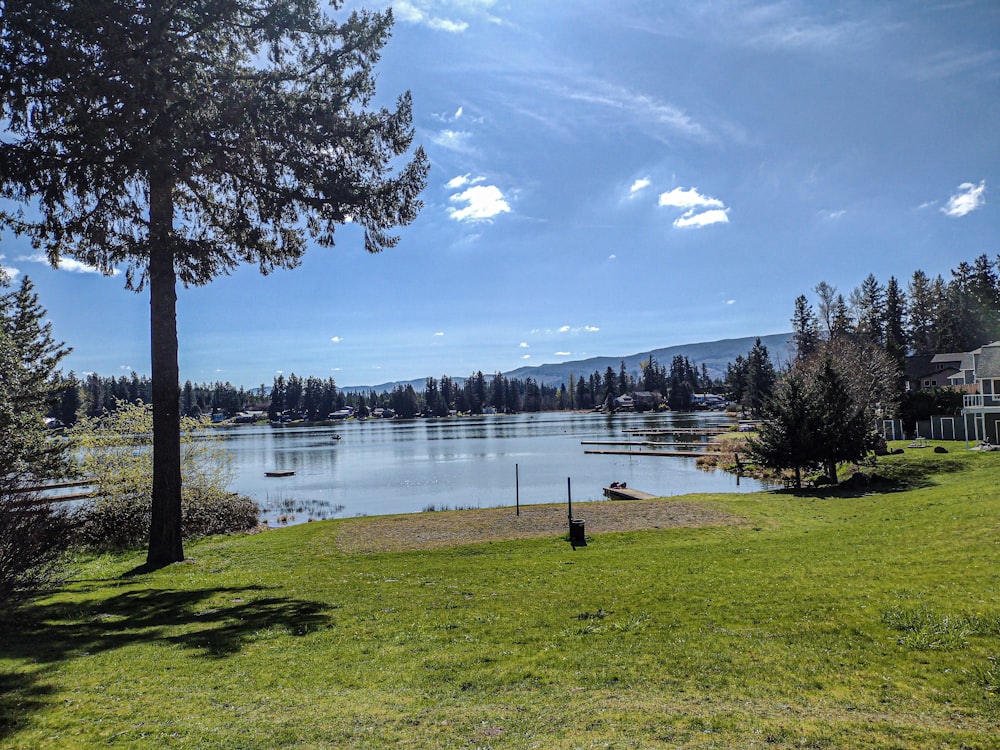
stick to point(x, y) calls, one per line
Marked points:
point(29, 387)
point(116, 451)
point(34, 538)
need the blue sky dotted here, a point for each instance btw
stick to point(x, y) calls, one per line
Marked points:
point(609, 178)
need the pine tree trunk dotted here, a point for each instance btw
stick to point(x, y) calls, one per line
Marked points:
point(165, 544)
point(831, 470)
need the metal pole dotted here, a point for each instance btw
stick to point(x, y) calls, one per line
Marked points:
point(569, 498)
point(517, 491)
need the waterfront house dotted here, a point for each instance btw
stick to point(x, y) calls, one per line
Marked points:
point(981, 410)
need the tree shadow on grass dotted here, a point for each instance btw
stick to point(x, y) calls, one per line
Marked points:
point(211, 622)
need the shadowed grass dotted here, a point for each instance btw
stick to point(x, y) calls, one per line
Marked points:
point(827, 621)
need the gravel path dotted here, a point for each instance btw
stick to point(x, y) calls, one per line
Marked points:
point(454, 528)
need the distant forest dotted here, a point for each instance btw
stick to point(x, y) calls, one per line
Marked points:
point(931, 315)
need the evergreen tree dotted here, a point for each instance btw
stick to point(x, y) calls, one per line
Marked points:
point(868, 303)
point(184, 139)
point(760, 378)
point(841, 322)
point(805, 333)
point(29, 389)
point(920, 314)
point(895, 332)
point(786, 439)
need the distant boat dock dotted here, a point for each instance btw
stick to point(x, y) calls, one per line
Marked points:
point(624, 493)
point(653, 447)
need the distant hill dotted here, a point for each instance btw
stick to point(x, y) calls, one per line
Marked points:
point(715, 355)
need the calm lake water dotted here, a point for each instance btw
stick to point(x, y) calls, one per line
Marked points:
point(381, 467)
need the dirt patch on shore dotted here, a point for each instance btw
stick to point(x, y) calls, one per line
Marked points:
point(455, 528)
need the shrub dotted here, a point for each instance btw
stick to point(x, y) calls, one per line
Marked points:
point(34, 537)
point(116, 451)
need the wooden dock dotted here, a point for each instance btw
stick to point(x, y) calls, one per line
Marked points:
point(625, 493)
point(647, 443)
point(615, 452)
point(677, 430)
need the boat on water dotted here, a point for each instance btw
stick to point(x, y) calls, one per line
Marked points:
point(280, 473)
point(336, 437)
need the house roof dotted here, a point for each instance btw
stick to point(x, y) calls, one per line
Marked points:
point(964, 360)
point(989, 362)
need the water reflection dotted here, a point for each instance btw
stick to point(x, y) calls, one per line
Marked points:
point(402, 467)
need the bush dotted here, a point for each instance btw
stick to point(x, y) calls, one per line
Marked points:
point(34, 538)
point(122, 521)
point(116, 451)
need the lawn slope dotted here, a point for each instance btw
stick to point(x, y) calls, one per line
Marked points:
point(809, 620)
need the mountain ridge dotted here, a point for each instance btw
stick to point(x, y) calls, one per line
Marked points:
point(715, 355)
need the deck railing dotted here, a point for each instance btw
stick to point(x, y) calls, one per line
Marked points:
point(981, 401)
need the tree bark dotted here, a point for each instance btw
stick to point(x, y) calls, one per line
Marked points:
point(165, 543)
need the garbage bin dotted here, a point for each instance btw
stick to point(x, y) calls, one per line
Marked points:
point(577, 536)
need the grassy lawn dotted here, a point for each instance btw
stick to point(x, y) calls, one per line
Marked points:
point(813, 620)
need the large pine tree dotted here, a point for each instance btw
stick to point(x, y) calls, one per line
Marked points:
point(182, 139)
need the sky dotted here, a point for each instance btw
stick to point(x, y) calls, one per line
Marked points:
point(607, 179)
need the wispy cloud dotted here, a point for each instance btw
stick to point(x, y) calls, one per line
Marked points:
point(482, 203)
point(564, 329)
point(453, 140)
point(638, 186)
point(336, 339)
point(462, 180)
point(459, 13)
point(697, 220)
point(968, 198)
point(418, 13)
point(523, 345)
point(67, 264)
point(439, 333)
point(561, 354)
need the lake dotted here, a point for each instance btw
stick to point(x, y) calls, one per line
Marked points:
point(385, 466)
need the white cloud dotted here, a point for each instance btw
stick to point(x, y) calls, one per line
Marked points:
point(446, 24)
point(482, 203)
point(463, 179)
point(66, 264)
point(730, 302)
point(690, 198)
point(526, 356)
point(454, 140)
point(458, 112)
point(523, 345)
point(9, 270)
point(968, 198)
point(612, 257)
point(439, 333)
point(564, 329)
point(703, 219)
point(336, 339)
point(562, 354)
point(833, 215)
point(699, 210)
point(409, 12)
point(591, 329)
point(638, 186)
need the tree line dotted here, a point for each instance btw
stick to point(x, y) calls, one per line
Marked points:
point(849, 363)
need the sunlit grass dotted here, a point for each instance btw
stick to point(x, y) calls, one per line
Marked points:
point(870, 620)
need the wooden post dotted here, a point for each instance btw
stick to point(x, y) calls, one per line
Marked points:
point(517, 491)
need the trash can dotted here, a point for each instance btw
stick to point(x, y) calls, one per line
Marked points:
point(577, 536)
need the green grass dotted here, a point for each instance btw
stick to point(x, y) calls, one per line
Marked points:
point(824, 621)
